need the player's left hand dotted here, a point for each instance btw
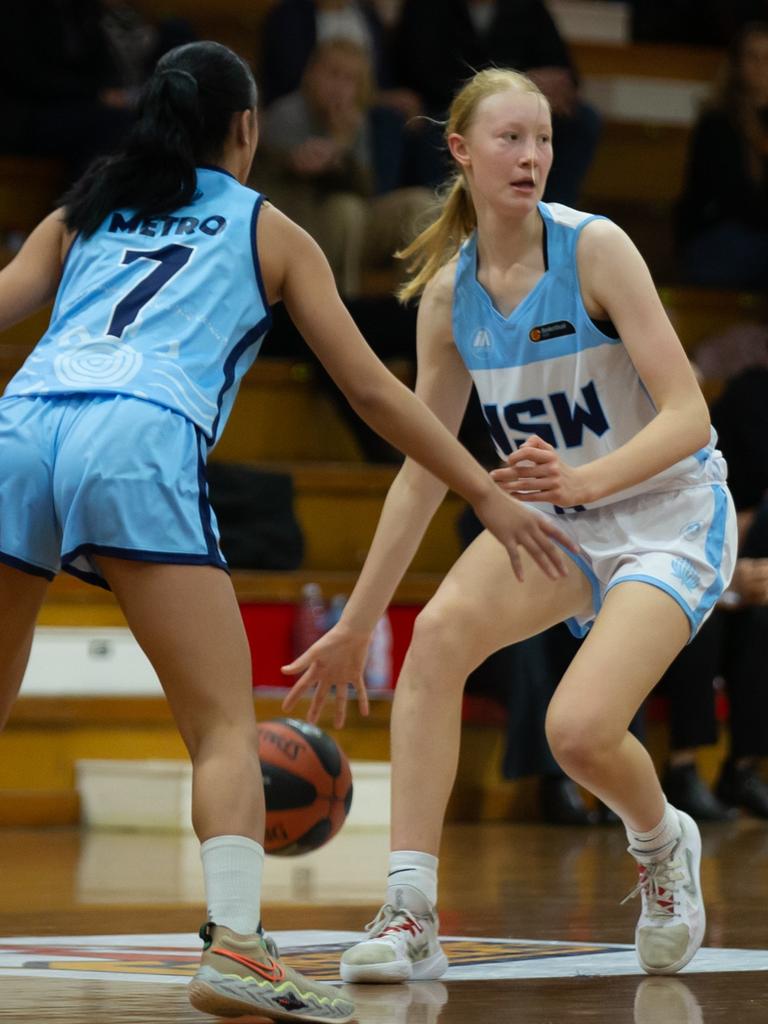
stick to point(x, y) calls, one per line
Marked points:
point(328, 668)
point(535, 472)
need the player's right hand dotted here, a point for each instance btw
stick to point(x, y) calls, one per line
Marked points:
point(516, 526)
point(334, 662)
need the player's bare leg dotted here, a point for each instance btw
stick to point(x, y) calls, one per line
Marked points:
point(187, 621)
point(479, 608)
point(21, 596)
point(636, 636)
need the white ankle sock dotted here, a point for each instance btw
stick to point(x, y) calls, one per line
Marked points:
point(232, 868)
point(657, 844)
point(412, 880)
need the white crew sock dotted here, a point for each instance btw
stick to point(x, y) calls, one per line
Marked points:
point(232, 867)
point(412, 880)
point(657, 844)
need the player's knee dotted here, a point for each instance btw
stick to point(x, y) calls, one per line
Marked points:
point(437, 639)
point(579, 743)
point(237, 741)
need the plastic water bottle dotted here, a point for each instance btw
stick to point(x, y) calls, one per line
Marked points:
point(309, 623)
point(335, 608)
point(378, 667)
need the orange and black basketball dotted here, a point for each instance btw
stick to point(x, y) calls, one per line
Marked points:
point(307, 785)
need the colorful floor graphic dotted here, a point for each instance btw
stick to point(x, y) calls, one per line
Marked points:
point(172, 959)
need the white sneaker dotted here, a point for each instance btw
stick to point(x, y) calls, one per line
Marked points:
point(401, 946)
point(672, 921)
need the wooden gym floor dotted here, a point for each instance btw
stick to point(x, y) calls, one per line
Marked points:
point(558, 887)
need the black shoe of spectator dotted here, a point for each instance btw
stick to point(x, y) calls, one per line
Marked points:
point(743, 787)
point(685, 790)
point(562, 803)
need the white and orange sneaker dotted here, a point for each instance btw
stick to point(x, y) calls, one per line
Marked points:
point(243, 975)
point(401, 946)
point(672, 921)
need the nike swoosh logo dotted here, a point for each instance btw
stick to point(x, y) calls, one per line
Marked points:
point(271, 971)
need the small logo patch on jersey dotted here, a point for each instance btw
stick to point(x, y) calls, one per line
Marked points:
point(482, 340)
point(557, 329)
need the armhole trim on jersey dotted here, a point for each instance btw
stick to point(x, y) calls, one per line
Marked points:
point(255, 253)
point(611, 335)
point(251, 337)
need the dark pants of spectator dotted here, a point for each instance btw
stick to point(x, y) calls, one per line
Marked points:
point(727, 255)
point(390, 330)
point(732, 645)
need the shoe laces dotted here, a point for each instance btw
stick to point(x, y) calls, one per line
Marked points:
point(658, 883)
point(391, 920)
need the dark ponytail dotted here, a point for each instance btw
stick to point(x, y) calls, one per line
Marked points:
point(184, 115)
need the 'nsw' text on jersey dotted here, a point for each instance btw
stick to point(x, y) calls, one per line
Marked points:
point(554, 418)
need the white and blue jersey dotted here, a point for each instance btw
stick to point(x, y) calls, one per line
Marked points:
point(549, 369)
point(170, 309)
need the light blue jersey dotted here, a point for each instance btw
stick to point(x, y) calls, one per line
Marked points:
point(548, 369)
point(169, 309)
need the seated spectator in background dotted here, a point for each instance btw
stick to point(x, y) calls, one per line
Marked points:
point(137, 44)
point(332, 163)
point(71, 73)
point(60, 90)
point(734, 642)
point(723, 210)
point(293, 28)
point(437, 47)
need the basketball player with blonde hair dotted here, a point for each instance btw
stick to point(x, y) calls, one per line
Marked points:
point(594, 409)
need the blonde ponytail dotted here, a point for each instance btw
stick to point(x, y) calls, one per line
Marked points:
point(438, 243)
point(457, 219)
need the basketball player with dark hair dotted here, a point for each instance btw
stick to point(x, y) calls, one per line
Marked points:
point(163, 267)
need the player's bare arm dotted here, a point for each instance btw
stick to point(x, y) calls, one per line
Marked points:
point(31, 278)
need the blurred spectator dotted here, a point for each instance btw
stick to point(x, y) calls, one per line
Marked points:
point(60, 90)
point(71, 73)
point(137, 44)
point(332, 163)
point(433, 54)
point(732, 644)
point(293, 28)
point(723, 210)
point(693, 22)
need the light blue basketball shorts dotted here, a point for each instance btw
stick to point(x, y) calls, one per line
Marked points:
point(683, 542)
point(87, 474)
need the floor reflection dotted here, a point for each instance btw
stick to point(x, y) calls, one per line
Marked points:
point(418, 1003)
point(662, 1000)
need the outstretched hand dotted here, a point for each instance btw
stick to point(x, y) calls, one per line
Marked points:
point(535, 472)
point(334, 662)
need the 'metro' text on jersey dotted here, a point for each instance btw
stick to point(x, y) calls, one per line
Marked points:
point(158, 226)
